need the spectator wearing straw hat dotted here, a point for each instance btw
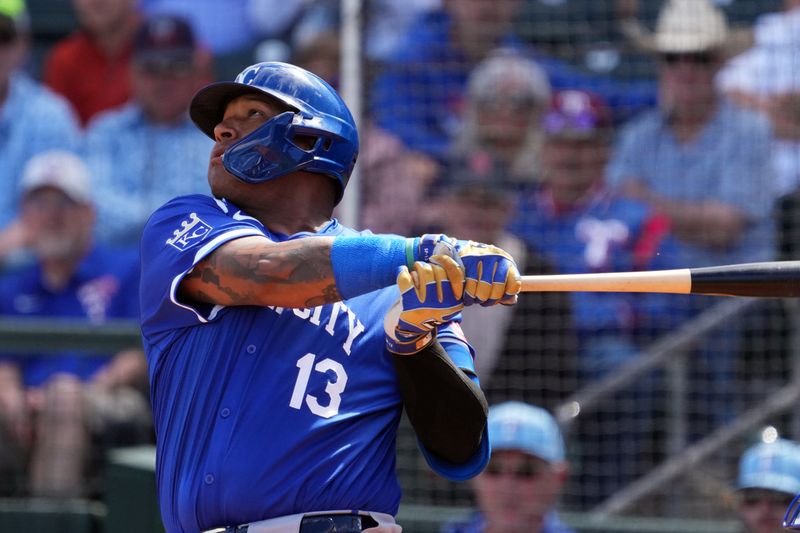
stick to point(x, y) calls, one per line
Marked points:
point(520, 487)
point(705, 164)
point(697, 158)
point(768, 479)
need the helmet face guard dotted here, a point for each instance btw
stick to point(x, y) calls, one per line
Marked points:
point(272, 150)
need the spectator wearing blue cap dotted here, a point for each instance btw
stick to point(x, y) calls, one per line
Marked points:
point(518, 490)
point(769, 476)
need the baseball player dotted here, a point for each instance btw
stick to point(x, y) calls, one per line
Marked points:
point(280, 351)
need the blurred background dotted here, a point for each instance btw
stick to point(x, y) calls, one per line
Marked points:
point(580, 135)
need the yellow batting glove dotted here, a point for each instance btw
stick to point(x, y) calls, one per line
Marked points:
point(430, 295)
point(491, 274)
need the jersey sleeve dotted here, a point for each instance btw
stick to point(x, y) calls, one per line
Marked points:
point(177, 237)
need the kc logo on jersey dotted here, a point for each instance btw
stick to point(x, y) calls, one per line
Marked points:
point(191, 231)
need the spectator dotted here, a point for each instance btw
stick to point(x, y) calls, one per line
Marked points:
point(420, 94)
point(55, 406)
point(580, 226)
point(762, 79)
point(32, 119)
point(224, 28)
point(705, 164)
point(506, 97)
point(385, 21)
point(698, 159)
point(529, 354)
point(769, 477)
point(228, 29)
point(90, 68)
point(149, 151)
point(519, 489)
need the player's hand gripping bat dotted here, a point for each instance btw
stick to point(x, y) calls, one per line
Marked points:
point(779, 279)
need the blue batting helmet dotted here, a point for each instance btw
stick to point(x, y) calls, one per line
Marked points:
point(271, 151)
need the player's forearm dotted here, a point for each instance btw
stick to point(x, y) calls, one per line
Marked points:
point(255, 271)
point(446, 408)
point(303, 272)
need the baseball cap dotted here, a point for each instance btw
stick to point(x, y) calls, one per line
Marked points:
point(164, 41)
point(13, 20)
point(577, 114)
point(59, 169)
point(690, 26)
point(525, 427)
point(771, 465)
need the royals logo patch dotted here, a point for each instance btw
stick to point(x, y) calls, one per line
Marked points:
point(192, 231)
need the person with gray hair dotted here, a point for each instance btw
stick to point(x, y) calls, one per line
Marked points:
point(506, 97)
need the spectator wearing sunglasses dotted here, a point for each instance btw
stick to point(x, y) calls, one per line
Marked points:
point(769, 477)
point(519, 489)
point(705, 164)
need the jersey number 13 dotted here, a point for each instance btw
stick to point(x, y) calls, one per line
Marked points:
point(333, 388)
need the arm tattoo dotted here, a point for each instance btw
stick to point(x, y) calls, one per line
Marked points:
point(243, 274)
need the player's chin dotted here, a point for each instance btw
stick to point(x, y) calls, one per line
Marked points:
point(218, 177)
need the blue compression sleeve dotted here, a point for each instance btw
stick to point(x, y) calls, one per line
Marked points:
point(368, 263)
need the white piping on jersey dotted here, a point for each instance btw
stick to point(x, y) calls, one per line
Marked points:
point(199, 256)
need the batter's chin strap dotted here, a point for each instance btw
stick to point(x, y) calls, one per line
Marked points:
point(446, 408)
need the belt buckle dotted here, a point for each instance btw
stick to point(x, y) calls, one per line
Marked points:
point(336, 523)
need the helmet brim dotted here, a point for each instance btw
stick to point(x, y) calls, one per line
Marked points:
point(208, 105)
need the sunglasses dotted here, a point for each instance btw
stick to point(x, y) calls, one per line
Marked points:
point(755, 497)
point(700, 59)
point(515, 102)
point(528, 468)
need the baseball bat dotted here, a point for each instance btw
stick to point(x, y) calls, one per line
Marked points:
point(779, 279)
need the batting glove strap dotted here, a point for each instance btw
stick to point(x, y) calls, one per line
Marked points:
point(401, 342)
point(432, 244)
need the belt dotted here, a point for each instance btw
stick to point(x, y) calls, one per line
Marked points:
point(320, 523)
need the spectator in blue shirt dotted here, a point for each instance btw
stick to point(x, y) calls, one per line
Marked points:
point(520, 486)
point(419, 94)
point(54, 405)
point(705, 164)
point(148, 151)
point(32, 118)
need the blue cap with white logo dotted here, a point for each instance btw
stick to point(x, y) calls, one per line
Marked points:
point(524, 427)
point(771, 465)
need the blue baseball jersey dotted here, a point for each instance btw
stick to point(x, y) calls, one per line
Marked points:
point(264, 411)
point(105, 286)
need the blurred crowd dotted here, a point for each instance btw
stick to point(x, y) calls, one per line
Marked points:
point(580, 135)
